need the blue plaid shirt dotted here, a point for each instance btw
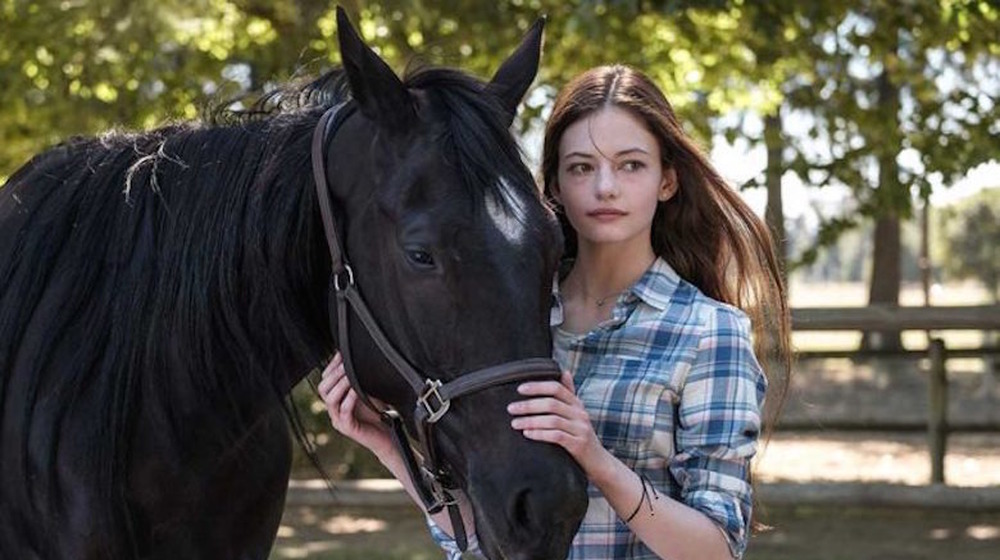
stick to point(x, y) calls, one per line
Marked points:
point(674, 390)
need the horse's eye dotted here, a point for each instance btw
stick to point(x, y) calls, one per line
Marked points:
point(420, 258)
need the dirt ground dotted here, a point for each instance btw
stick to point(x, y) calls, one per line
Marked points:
point(800, 534)
point(822, 392)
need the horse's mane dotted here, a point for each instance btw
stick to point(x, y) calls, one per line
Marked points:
point(474, 128)
point(137, 266)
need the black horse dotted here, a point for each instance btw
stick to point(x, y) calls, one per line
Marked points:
point(161, 292)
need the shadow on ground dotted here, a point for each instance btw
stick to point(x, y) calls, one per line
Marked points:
point(814, 533)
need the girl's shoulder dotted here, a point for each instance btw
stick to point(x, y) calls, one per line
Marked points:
point(674, 303)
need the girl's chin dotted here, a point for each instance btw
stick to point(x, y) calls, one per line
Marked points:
point(611, 238)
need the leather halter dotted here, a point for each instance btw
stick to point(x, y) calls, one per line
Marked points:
point(431, 480)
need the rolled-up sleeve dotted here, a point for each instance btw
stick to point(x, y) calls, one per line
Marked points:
point(719, 419)
point(450, 546)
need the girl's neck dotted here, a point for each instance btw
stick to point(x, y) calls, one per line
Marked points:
point(603, 271)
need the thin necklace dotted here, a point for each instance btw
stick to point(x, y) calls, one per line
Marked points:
point(602, 300)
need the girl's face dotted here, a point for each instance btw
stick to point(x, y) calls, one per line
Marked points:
point(610, 178)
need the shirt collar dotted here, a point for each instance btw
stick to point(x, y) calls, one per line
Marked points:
point(657, 285)
point(655, 288)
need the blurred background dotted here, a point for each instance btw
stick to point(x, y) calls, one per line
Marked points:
point(866, 132)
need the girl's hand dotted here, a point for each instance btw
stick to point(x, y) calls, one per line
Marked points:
point(348, 414)
point(554, 414)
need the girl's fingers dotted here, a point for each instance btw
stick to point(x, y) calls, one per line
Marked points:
point(543, 422)
point(567, 380)
point(347, 405)
point(541, 405)
point(557, 437)
point(546, 388)
point(335, 367)
point(335, 398)
point(328, 380)
point(325, 384)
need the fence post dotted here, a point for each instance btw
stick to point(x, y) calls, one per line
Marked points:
point(937, 422)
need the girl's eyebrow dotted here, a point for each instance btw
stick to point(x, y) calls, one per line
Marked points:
point(632, 150)
point(621, 153)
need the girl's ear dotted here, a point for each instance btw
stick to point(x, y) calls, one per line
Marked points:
point(555, 192)
point(668, 186)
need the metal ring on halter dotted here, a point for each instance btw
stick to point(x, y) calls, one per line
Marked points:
point(350, 278)
point(431, 390)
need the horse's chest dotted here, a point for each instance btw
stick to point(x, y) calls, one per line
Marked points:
point(206, 500)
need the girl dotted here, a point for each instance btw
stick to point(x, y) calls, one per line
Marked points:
point(662, 401)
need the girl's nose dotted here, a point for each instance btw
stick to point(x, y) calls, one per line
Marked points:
point(605, 184)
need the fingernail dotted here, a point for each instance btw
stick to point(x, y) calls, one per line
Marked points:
point(511, 407)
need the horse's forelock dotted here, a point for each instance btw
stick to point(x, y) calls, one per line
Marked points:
point(476, 140)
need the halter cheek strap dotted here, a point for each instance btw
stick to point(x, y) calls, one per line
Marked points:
point(433, 397)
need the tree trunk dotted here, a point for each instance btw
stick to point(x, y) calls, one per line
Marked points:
point(891, 197)
point(885, 279)
point(774, 213)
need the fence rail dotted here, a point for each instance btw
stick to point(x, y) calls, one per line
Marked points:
point(895, 318)
point(886, 317)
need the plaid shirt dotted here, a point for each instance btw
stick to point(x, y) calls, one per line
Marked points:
point(674, 391)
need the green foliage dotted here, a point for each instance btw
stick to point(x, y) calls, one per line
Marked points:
point(895, 99)
point(904, 87)
point(84, 66)
point(968, 240)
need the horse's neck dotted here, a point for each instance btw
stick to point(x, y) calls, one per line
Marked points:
point(266, 269)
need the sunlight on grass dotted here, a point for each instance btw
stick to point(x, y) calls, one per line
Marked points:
point(941, 533)
point(345, 524)
point(286, 532)
point(983, 532)
point(894, 458)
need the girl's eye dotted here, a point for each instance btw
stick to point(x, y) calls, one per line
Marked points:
point(420, 258)
point(579, 168)
point(632, 165)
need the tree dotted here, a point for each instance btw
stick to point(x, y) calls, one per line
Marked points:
point(901, 95)
point(86, 66)
point(970, 240)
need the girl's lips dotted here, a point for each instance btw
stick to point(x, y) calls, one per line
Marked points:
point(606, 214)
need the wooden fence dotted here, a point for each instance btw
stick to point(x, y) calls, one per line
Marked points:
point(894, 318)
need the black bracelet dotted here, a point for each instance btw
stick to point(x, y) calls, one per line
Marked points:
point(643, 498)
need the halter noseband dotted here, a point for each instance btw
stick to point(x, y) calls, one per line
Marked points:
point(434, 397)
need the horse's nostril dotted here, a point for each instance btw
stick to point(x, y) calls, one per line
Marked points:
point(521, 509)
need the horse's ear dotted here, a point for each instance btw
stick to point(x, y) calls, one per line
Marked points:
point(515, 75)
point(379, 93)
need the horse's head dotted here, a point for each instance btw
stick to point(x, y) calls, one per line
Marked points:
point(455, 253)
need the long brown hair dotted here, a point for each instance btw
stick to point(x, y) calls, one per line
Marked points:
point(706, 232)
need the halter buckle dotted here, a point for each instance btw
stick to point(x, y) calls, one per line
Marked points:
point(431, 387)
point(440, 497)
point(349, 272)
